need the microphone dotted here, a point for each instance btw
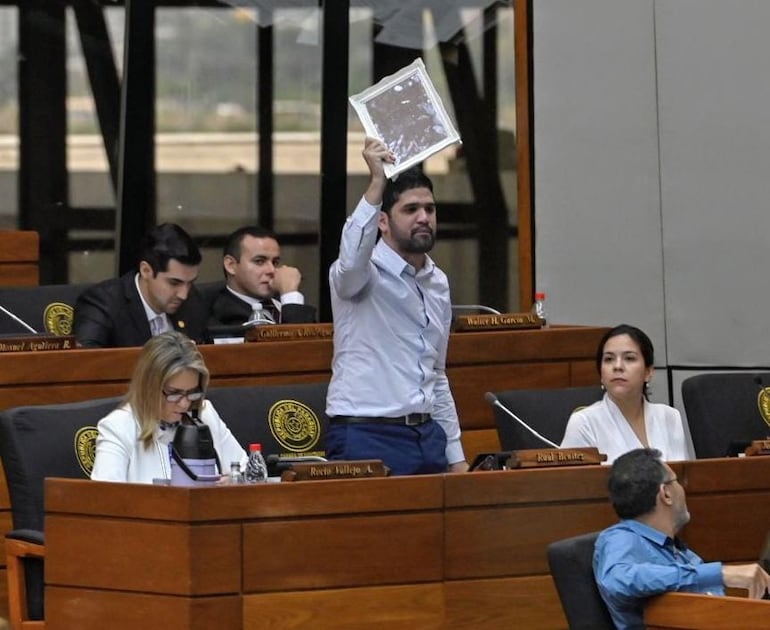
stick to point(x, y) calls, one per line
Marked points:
point(476, 307)
point(18, 320)
point(493, 400)
point(277, 464)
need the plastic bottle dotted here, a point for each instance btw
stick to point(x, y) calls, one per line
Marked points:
point(260, 316)
point(236, 475)
point(539, 308)
point(256, 469)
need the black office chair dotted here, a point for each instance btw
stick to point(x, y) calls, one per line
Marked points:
point(209, 291)
point(726, 412)
point(288, 420)
point(45, 308)
point(571, 564)
point(545, 410)
point(38, 442)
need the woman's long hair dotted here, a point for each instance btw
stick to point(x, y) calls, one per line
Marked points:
point(162, 358)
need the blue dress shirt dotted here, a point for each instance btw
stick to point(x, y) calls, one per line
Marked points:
point(391, 331)
point(633, 562)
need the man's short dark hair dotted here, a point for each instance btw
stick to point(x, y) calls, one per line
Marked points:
point(409, 179)
point(233, 244)
point(634, 482)
point(166, 242)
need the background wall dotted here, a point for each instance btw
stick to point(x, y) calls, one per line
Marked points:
point(652, 174)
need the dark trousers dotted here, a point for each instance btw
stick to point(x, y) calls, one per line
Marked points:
point(417, 450)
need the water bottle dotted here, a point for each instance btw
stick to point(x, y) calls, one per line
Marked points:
point(256, 469)
point(539, 308)
point(260, 316)
point(236, 475)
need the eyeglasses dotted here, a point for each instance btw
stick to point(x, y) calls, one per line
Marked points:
point(193, 395)
point(672, 480)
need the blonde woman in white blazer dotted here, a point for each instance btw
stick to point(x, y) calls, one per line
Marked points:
point(169, 383)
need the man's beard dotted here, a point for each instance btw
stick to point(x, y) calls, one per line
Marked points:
point(419, 243)
point(682, 518)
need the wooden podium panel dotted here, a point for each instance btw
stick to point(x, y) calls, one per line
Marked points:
point(297, 537)
point(437, 551)
point(19, 258)
point(513, 517)
point(686, 611)
point(739, 495)
point(412, 606)
point(99, 610)
point(477, 362)
point(343, 552)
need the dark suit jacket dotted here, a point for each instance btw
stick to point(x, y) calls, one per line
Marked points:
point(110, 314)
point(228, 310)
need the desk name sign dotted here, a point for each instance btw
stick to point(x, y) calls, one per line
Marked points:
point(503, 321)
point(289, 332)
point(35, 343)
point(316, 471)
point(549, 457)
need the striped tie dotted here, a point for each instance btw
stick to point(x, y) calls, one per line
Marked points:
point(157, 325)
point(268, 306)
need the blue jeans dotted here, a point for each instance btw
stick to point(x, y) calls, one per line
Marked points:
point(415, 450)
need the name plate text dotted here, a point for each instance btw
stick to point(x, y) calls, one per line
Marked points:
point(316, 471)
point(549, 457)
point(504, 321)
point(34, 343)
point(289, 332)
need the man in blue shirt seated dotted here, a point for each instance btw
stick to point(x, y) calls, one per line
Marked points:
point(641, 556)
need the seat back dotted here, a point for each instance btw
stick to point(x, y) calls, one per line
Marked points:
point(288, 420)
point(571, 564)
point(46, 441)
point(726, 411)
point(545, 410)
point(209, 291)
point(46, 308)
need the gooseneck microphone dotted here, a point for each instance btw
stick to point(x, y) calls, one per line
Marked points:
point(493, 400)
point(18, 319)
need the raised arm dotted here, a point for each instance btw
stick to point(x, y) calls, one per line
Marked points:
point(349, 274)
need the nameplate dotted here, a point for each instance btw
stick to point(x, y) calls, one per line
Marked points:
point(34, 343)
point(758, 447)
point(549, 457)
point(289, 332)
point(316, 471)
point(503, 321)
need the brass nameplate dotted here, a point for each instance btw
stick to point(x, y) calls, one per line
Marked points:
point(758, 447)
point(314, 471)
point(34, 343)
point(548, 457)
point(504, 321)
point(289, 332)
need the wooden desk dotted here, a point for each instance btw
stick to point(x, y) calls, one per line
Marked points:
point(685, 611)
point(477, 362)
point(440, 551)
point(19, 257)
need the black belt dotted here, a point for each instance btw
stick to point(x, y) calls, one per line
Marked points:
point(409, 420)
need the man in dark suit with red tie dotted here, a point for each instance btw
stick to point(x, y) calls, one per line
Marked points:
point(156, 297)
point(256, 278)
